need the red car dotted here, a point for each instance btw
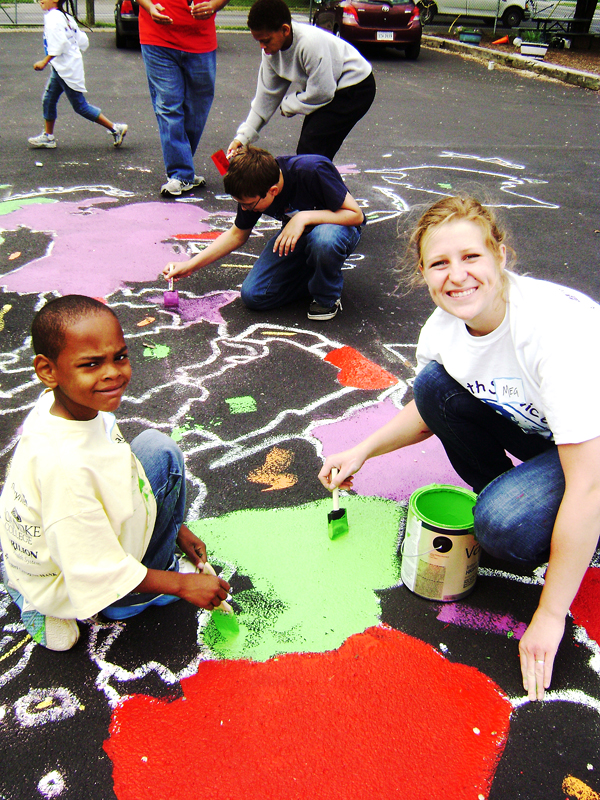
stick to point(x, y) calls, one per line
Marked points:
point(395, 23)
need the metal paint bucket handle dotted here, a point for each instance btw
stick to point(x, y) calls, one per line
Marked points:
point(417, 555)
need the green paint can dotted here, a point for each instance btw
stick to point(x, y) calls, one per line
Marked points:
point(440, 556)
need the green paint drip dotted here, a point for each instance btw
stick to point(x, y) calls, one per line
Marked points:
point(7, 206)
point(241, 405)
point(310, 593)
point(160, 351)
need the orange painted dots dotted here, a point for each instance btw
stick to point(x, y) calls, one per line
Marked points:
point(358, 371)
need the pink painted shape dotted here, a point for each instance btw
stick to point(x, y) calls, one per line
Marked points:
point(206, 308)
point(394, 476)
point(347, 169)
point(97, 250)
point(477, 619)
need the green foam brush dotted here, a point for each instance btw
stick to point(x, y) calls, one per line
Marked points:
point(337, 519)
point(223, 615)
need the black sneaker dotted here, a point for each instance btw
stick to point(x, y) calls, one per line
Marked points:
point(317, 311)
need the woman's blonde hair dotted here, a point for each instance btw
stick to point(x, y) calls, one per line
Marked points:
point(454, 209)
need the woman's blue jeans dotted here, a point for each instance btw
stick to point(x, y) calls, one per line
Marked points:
point(164, 467)
point(54, 88)
point(313, 269)
point(517, 506)
point(182, 87)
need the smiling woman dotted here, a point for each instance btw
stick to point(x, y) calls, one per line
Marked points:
point(490, 381)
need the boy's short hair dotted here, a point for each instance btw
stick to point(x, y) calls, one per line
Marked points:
point(52, 321)
point(251, 173)
point(269, 15)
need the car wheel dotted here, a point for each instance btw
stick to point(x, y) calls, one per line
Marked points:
point(412, 51)
point(512, 17)
point(427, 12)
point(336, 31)
point(120, 39)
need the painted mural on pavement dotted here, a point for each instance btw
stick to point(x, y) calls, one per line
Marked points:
point(328, 622)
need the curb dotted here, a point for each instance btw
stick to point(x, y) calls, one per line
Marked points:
point(576, 77)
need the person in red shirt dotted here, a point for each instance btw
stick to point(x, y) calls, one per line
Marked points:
point(179, 48)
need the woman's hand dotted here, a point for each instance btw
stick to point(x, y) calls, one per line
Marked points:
point(537, 650)
point(346, 463)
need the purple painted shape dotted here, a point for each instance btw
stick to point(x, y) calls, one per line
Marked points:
point(348, 169)
point(394, 476)
point(96, 250)
point(207, 308)
point(479, 620)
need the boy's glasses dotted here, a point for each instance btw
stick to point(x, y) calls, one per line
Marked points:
point(246, 207)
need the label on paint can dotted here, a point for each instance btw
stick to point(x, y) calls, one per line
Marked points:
point(440, 556)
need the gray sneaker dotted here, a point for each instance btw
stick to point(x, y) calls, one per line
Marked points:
point(317, 311)
point(199, 181)
point(118, 133)
point(43, 140)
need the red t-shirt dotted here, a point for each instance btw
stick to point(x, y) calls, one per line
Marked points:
point(186, 33)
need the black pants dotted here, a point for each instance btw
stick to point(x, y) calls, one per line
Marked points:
point(324, 130)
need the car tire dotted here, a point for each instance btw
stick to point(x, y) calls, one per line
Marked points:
point(411, 51)
point(427, 12)
point(336, 32)
point(120, 40)
point(512, 17)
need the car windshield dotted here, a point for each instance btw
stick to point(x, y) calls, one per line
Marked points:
point(386, 2)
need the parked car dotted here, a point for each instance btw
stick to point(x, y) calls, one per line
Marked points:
point(126, 22)
point(395, 23)
point(511, 12)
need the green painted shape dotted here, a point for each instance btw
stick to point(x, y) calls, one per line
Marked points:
point(160, 351)
point(241, 405)
point(8, 206)
point(445, 185)
point(309, 593)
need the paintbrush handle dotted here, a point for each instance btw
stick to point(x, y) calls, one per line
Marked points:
point(336, 491)
point(223, 606)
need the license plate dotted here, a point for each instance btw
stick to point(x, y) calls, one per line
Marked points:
point(385, 36)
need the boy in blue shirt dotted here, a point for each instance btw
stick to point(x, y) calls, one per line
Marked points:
point(321, 227)
point(89, 523)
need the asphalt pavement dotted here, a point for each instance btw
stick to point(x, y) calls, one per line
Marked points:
point(86, 217)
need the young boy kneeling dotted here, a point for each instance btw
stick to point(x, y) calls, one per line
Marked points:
point(89, 523)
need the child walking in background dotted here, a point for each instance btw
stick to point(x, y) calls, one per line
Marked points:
point(64, 43)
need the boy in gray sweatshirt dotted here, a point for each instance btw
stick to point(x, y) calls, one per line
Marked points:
point(307, 71)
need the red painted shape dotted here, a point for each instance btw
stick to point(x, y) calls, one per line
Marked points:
point(386, 715)
point(587, 602)
point(197, 237)
point(358, 371)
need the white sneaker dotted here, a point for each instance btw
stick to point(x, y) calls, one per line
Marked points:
point(118, 133)
point(43, 140)
point(60, 634)
point(174, 187)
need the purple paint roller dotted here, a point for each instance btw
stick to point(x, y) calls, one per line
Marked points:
point(171, 298)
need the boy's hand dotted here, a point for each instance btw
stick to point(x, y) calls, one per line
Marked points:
point(204, 591)
point(193, 547)
point(234, 149)
point(40, 65)
point(286, 241)
point(177, 269)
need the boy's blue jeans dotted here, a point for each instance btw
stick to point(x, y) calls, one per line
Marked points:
point(54, 88)
point(182, 88)
point(517, 506)
point(164, 467)
point(313, 269)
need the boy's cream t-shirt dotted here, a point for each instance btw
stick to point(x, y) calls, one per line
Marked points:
point(77, 514)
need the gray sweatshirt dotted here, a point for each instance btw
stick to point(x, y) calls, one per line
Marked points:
point(302, 78)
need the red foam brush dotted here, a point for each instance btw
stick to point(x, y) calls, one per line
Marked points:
point(220, 161)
